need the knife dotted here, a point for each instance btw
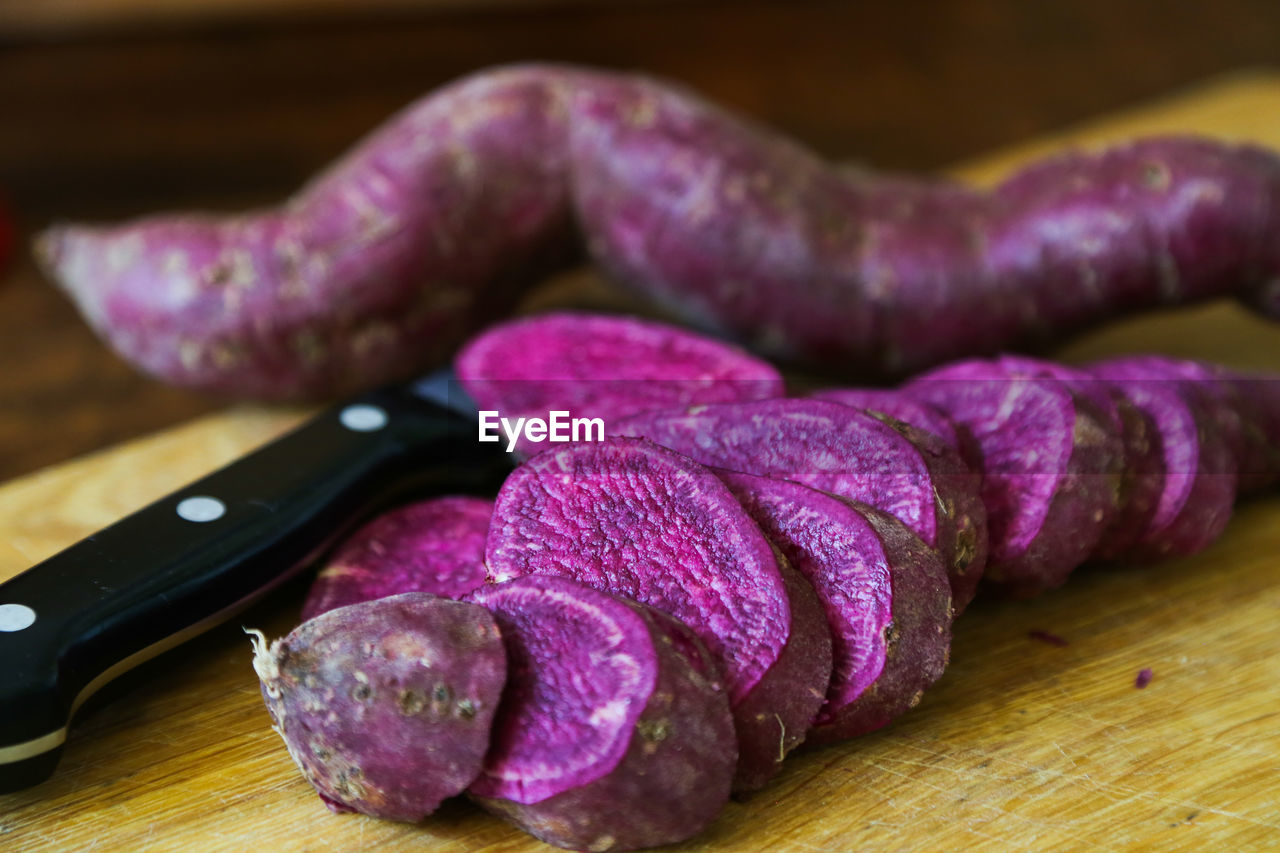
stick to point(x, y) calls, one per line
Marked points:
point(194, 558)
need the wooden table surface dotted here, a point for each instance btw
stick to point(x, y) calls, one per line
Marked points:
point(112, 108)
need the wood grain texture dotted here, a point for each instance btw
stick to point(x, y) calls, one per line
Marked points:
point(1022, 744)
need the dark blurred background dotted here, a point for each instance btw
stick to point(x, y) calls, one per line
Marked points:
point(112, 108)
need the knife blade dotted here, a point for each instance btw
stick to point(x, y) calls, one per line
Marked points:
point(192, 559)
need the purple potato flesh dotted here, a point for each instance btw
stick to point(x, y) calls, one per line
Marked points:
point(434, 546)
point(610, 735)
point(885, 595)
point(632, 518)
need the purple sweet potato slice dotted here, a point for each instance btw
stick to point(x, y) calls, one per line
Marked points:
point(1235, 406)
point(1202, 387)
point(434, 546)
point(1257, 394)
point(895, 404)
point(1051, 470)
point(613, 732)
point(1199, 460)
point(910, 474)
point(632, 518)
point(921, 415)
point(884, 592)
point(1142, 473)
point(602, 366)
point(386, 705)
point(775, 721)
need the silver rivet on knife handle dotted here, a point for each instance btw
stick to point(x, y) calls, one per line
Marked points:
point(15, 617)
point(363, 418)
point(201, 509)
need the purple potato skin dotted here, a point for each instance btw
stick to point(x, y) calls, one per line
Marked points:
point(726, 224)
point(776, 717)
point(908, 473)
point(561, 763)
point(434, 546)
point(885, 594)
point(376, 269)
point(629, 517)
point(432, 225)
point(962, 540)
point(1200, 458)
point(603, 366)
point(918, 645)
point(386, 705)
point(1051, 469)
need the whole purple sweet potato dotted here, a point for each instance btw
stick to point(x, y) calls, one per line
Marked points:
point(378, 266)
point(386, 705)
point(632, 518)
point(886, 597)
point(613, 732)
point(745, 232)
point(912, 475)
point(434, 546)
point(606, 367)
point(1051, 468)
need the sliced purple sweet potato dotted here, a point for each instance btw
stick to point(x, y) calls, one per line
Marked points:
point(910, 474)
point(1199, 460)
point(1202, 386)
point(896, 404)
point(1051, 470)
point(632, 518)
point(434, 546)
point(613, 733)
point(603, 366)
point(386, 705)
point(885, 594)
point(1236, 405)
point(1258, 396)
point(774, 719)
point(1142, 473)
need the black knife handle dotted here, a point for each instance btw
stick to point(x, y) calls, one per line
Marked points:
point(192, 559)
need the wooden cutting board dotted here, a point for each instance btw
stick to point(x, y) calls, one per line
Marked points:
point(1022, 745)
